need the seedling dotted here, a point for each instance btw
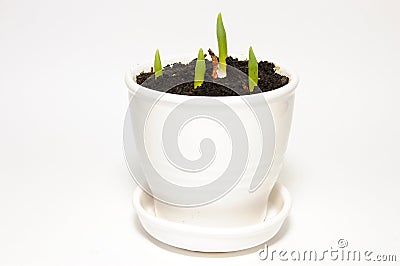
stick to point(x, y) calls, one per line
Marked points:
point(253, 70)
point(200, 69)
point(222, 46)
point(219, 67)
point(157, 65)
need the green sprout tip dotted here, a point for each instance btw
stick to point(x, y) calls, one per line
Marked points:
point(222, 45)
point(200, 69)
point(157, 65)
point(253, 70)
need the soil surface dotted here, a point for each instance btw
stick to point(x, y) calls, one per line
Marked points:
point(178, 79)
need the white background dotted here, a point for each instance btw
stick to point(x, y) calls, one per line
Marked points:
point(65, 192)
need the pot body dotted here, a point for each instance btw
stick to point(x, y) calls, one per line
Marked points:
point(237, 206)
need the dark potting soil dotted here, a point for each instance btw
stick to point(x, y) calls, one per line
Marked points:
point(233, 84)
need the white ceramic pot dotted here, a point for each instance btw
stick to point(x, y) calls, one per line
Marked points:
point(239, 206)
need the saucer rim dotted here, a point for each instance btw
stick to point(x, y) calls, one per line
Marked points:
point(278, 191)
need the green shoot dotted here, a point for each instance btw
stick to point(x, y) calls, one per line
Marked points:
point(200, 69)
point(253, 70)
point(157, 65)
point(222, 46)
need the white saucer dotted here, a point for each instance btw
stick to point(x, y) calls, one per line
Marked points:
point(209, 239)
